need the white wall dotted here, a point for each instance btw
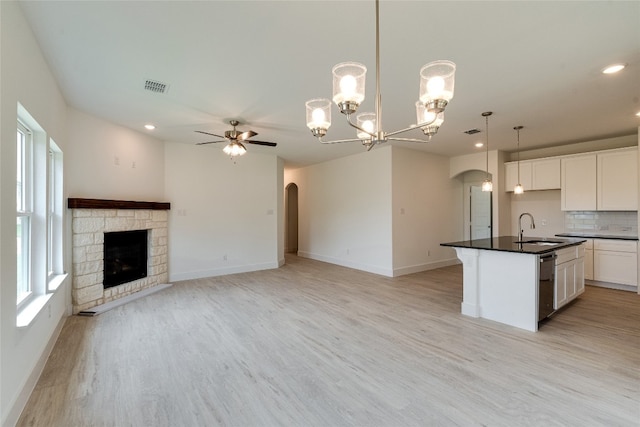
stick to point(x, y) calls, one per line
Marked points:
point(426, 211)
point(107, 161)
point(225, 217)
point(344, 214)
point(25, 78)
point(545, 208)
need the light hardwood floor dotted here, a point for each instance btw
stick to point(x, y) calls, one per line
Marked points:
point(314, 344)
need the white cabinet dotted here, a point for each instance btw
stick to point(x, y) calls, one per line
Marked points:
point(605, 181)
point(615, 261)
point(618, 180)
point(569, 275)
point(578, 189)
point(543, 174)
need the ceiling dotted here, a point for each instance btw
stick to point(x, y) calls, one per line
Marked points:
point(536, 64)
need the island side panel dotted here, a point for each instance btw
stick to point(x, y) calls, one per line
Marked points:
point(470, 281)
point(508, 288)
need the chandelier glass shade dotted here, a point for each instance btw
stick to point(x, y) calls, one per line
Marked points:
point(437, 80)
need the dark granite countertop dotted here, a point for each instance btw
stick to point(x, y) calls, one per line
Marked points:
point(592, 235)
point(509, 244)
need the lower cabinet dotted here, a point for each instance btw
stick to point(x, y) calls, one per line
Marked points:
point(569, 280)
point(588, 259)
point(615, 261)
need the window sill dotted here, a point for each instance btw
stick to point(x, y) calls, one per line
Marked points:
point(30, 311)
point(56, 281)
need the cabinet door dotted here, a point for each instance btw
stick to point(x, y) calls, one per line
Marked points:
point(618, 180)
point(545, 174)
point(511, 175)
point(615, 267)
point(588, 264)
point(560, 298)
point(578, 276)
point(578, 183)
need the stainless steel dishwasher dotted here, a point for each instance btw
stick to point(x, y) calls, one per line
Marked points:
point(546, 284)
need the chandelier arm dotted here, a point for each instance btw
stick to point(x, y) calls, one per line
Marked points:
point(409, 140)
point(418, 126)
point(337, 141)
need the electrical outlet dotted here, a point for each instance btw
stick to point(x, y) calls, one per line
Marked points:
point(224, 258)
point(428, 253)
point(116, 160)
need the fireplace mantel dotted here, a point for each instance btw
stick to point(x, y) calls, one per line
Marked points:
point(77, 203)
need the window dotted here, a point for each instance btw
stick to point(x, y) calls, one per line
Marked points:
point(24, 212)
point(39, 218)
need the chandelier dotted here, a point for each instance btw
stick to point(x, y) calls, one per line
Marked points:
point(436, 90)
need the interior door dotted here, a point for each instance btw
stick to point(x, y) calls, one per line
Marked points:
point(479, 213)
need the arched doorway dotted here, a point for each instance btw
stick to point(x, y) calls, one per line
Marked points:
point(291, 220)
point(477, 206)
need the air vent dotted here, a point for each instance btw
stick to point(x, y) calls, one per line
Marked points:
point(156, 86)
point(472, 131)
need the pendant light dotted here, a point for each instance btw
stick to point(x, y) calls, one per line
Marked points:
point(487, 185)
point(518, 189)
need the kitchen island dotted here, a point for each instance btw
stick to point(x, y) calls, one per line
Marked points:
point(503, 279)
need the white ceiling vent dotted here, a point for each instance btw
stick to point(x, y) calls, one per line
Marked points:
point(156, 86)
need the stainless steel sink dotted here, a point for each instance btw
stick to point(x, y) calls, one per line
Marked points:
point(537, 242)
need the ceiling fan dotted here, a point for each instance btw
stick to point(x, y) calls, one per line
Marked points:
point(236, 140)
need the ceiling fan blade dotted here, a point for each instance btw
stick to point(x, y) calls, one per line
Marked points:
point(207, 133)
point(210, 142)
point(246, 135)
point(268, 144)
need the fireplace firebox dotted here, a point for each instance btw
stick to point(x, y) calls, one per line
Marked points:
point(125, 257)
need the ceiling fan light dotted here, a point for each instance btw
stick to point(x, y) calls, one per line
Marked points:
point(234, 149)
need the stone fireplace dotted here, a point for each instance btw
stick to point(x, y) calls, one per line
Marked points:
point(91, 219)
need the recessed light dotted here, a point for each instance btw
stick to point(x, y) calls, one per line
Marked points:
point(638, 114)
point(479, 144)
point(149, 127)
point(611, 69)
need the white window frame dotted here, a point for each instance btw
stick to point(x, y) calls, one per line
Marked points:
point(24, 214)
point(55, 246)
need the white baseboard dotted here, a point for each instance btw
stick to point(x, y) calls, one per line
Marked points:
point(424, 267)
point(200, 274)
point(345, 263)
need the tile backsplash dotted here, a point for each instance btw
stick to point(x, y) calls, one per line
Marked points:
point(605, 221)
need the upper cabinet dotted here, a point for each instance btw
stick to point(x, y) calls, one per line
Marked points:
point(541, 174)
point(578, 189)
point(618, 180)
point(606, 181)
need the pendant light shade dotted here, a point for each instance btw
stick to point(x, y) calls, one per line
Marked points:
point(518, 189)
point(487, 185)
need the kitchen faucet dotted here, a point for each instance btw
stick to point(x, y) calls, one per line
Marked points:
point(533, 224)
